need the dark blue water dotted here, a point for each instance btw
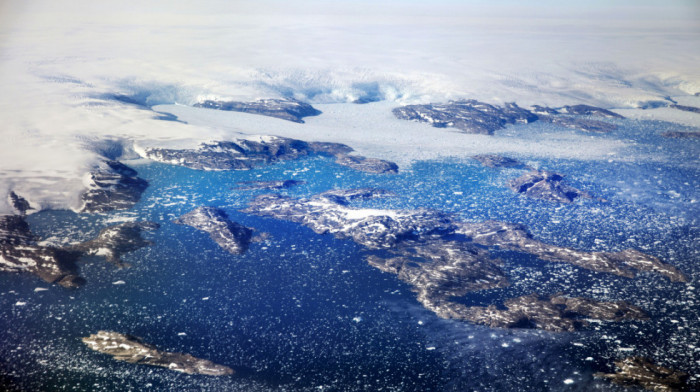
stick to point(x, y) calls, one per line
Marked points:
point(304, 312)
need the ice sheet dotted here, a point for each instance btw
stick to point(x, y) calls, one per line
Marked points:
point(66, 68)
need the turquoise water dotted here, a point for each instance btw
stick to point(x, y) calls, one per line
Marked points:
point(304, 312)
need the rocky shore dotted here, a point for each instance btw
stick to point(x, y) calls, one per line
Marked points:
point(471, 116)
point(20, 251)
point(498, 161)
point(245, 154)
point(115, 241)
point(112, 186)
point(639, 371)
point(268, 185)
point(546, 185)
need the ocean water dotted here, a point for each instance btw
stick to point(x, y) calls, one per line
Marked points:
point(304, 312)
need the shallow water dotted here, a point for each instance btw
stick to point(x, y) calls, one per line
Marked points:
point(302, 312)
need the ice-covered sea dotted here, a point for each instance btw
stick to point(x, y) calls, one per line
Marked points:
point(304, 312)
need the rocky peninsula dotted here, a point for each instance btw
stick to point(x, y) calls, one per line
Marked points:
point(515, 237)
point(556, 313)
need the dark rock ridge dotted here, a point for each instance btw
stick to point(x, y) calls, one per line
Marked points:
point(241, 154)
point(332, 149)
point(231, 236)
point(691, 109)
point(286, 109)
point(552, 116)
point(682, 135)
point(442, 258)
point(113, 186)
point(496, 161)
point(472, 116)
point(115, 241)
point(543, 110)
point(245, 154)
point(556, 313)
point(580, 124)
point(20, 204)
point(345, 196)
point(587, 110)
point(639, 371)
point(20, 251)
point(133, 350)
point(268, 185)
point(546, 186)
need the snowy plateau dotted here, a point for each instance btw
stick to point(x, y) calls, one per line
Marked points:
point(350, 196)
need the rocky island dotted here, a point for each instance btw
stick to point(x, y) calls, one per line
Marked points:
point(133, 350)
point(245, 154)
point(546, 185)
point(471, 116)
point(639, 371)
point(231, 236)
point(442, 258)
point(285, 109)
